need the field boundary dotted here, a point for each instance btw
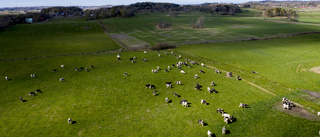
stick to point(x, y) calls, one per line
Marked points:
point(107, 33)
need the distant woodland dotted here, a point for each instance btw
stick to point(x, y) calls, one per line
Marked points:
point(267, 8)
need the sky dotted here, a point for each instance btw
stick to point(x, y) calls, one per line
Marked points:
point(29, 3)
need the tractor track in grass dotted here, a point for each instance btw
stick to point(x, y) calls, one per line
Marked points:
point(299, 113)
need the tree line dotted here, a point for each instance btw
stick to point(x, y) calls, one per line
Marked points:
point(281, 12)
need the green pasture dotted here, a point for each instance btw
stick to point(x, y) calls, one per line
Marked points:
point(52, 38)
point(141, 30)
point(286, 61)
point(104, 102)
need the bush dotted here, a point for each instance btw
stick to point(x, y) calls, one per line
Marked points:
point(162, 46)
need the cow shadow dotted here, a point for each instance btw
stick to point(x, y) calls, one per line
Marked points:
point(24, 101)
point(212, 135)
point(170, 101)
point(234, 120)
point(73, 122)
point(227, 132)
point(205, 124)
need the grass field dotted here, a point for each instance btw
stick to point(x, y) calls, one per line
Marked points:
point(52, 38)
point(104, 102)
point(141, 30)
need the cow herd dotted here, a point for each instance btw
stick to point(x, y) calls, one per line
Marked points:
point(180, 66)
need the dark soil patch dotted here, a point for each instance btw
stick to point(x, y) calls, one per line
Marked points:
point(313, 94)
point(298, 112)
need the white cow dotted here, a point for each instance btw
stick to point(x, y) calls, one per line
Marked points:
point(33, 75)
point(167, 100)
point(203, 102)
point(69, 121)
point(202, 65)
point(145, 52)
point(318, 114)
point(285, 106)
point(61, 79)
point(196, 76)
point(226, 120)
point(62, 66)
point(6, 77)
point(154, 71)
point(224, 130)
point(178, 82)
point(182, 72)
point(185, 103)
point(210, 133)
point(226, 115)
point(159, 55)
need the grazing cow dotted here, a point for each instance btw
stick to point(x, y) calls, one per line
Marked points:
point(216, 71)
point(204, 102)
point(171, 52)
point(38, 90)
point(133, 61)
point(201, 71)
point(243, 105)
point(166, 53)
point(134, 57)
point(69, 121)
point(179, 67)
point(167, 100)
point(159, 55)
point(285, 106)
point(238, 78)
point(20, 98)
point(131, 58)
point(86, 69)
point(62, 66)
point(173, 65)
point(179, 56)
point(176, 94)
point(158, 68)
point(231, 119)
point(224, 130)
point(318, 114)
point(211, 90)
point(226, 115)
point(229, 74)
point(198, 87)
point(54, 70)
point(168, 67)
point(144, 60)
point(182, 72)
point(212, 84)
point(76, 69)
point(202, 65)
point(154, 92)
point(147, 85)
point(209, 133)
point(152, 86)
point(189, 66)
point(165, 70)
point(226, 120)
point(200, 121)
point(253, 72)
point(126, 74)
point(91, 66)
point(184, 102)
point(154, 71)
point(33, 75)
point(220, 110)
point(196, 76)
point(145, 52)
point(61, 79)
point(118, 56)
point(32, 94)
point(168, 85)
point(6, 77)
point(178, 82)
